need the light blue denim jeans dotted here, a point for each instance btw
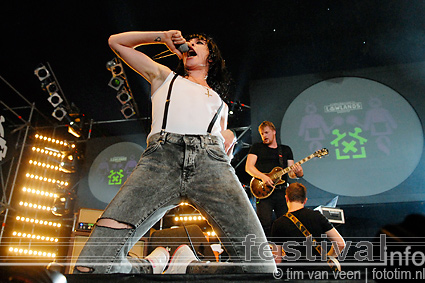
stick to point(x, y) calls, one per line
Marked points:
point(190, 167)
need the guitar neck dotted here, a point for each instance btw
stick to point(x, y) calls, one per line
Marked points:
point(289, 168)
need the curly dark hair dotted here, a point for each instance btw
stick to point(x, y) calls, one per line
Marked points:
point(218, 76)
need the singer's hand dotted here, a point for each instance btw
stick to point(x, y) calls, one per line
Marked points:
point(175, 39)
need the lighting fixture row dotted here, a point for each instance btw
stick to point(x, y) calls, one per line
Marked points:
point(45, 179)
point(38, 221)
point(189, 218)
point(44, 165)
point(36, 237)
point(56, 141)
point(31, 252)
point(39, 192)
point(35, 206)
point(48, 152)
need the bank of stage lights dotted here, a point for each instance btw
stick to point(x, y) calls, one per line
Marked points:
point(44, 165)
point(41, 197)
point(45, 179)
point(192, 218)
point(33, 236)
point(51, 140)
point(38, 192)
point(38, 221)
point(28, 252)
point(119, 82)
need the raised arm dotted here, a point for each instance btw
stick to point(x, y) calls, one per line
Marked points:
point(124, 44)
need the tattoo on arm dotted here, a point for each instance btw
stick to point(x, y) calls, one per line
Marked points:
point(158, 39)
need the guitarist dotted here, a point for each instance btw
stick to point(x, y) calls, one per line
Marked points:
point(284, 230)
point(262, 158)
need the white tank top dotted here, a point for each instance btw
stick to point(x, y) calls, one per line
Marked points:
point(191, 109)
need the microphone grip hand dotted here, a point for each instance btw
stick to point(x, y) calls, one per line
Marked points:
point(182, 47)
point(179, 45)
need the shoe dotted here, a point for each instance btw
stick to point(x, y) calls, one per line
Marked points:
point(140, 265)
point(180, 260)
point(159, 259)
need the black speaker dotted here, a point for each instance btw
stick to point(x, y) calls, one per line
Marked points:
point(172, 238)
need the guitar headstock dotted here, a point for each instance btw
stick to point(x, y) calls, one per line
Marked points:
point(320, 153)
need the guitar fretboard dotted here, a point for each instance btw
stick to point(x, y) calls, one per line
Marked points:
point(287, 169)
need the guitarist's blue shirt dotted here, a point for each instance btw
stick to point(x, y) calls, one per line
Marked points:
point(268, 158)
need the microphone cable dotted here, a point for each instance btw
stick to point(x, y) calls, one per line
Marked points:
point(187, 232)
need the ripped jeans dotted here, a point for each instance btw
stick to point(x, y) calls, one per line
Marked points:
point(191, 167)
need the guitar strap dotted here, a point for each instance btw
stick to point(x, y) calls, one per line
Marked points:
point(307, 234)
point(279, 151)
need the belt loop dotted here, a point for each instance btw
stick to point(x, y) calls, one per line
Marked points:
point(202, 141)
point(162, 136)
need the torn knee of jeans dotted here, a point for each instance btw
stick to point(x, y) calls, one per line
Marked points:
point(114, 224)
point(84, 269)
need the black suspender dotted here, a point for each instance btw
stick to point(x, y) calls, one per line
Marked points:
point(167, 105)
point(215, 118)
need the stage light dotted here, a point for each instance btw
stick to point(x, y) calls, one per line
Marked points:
point(127, 110)
point(49, 151)
point(75, 123)
point(55, 99)
point(31, 252)
point(44, 165)
point(124, 96)
point(63, 204)
point(59, 113)
point(116, 82)
point(38, 221)
point(75, 131)
point(42, 73)
point(52, 88)
point(115, 67)
point(37, 237)
point(52, 140)
point(68, 162)
point(189, 218)
point(35, 206)
point(45, 179)
point(120, 84)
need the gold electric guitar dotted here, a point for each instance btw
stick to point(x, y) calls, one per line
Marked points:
point(261, 190)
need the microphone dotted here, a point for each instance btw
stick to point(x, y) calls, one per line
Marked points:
point(182, 47)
